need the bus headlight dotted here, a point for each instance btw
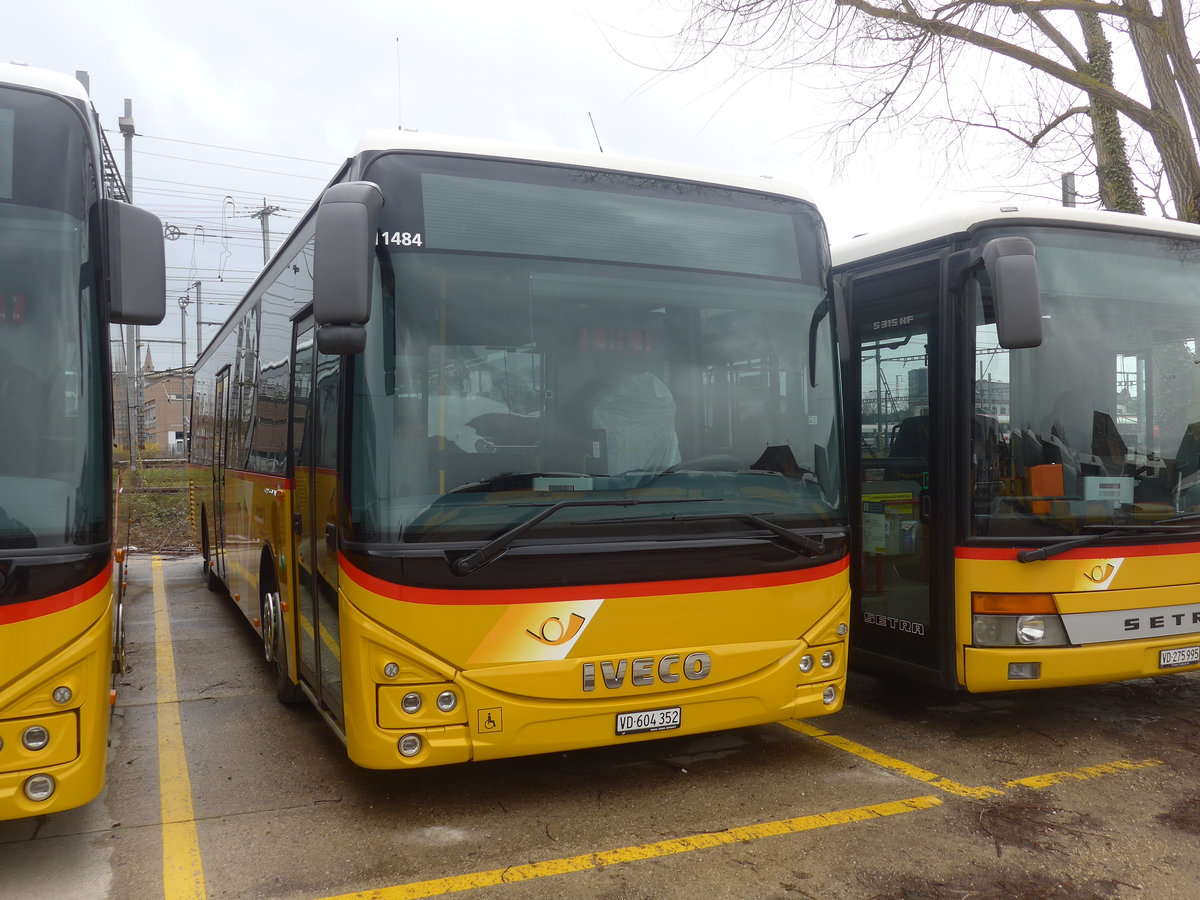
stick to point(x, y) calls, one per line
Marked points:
point(411, 702)
point(1031, 629)
point(391, 670)
point(409, 745)
point(39, 787)
point(806, 663)
point(446, 701)
point(829, 695)
point(62, 695)
point(826, 659)
point(1040, 630)
point(35, 737)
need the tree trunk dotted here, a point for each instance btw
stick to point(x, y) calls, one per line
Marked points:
point(1170, 132)
point(1118, 190)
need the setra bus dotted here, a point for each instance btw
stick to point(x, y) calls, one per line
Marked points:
point(512, 451)
point(1023, 391)
point(72, 260)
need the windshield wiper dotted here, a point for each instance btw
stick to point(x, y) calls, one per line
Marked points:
point(1186, 517)
point(797, 542)
point(1113, 531)
point(477, 559)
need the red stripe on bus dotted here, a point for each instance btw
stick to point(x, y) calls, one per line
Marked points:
point(44, 606)
point(513, 596)
point(1105, 550)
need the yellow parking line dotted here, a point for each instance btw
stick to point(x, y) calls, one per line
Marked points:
point(604, 858)
point(890, 762)
point(183, 875)
point(511, 874)
point(1087, 772)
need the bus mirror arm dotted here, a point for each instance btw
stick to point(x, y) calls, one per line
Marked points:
point(818, 316)
point(1011, 265)
point(343, 264)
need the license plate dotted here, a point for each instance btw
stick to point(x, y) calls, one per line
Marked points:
point(1179, 656)
point(650, 720)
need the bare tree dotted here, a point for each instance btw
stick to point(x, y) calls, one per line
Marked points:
point(913, 60)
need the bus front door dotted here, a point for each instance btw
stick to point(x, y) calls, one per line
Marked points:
point(220, 455)
point(893, 323)
point(314, 455)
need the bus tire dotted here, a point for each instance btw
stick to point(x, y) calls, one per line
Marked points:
point(274, 644)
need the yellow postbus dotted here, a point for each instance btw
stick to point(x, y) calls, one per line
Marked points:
point(1023, 391)
point(72, 260)
point(513, 451)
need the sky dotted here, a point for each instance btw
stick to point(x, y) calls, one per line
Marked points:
point(241, 106)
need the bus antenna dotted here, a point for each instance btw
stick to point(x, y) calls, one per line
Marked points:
point(594, 131)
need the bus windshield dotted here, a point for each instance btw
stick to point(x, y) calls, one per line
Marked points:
point(1101, 424)
point(52, 478)
point(543, 334)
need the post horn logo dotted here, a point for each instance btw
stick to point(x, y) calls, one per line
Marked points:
point(553, 632)
point(1100, 573)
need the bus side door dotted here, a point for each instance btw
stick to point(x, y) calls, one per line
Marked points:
point(314, 456)
point(895, 420)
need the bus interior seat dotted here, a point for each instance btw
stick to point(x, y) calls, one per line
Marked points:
point(636, 413)
point(910, 438)
point(1107, 444)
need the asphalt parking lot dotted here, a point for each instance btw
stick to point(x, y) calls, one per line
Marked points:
point(215, 790)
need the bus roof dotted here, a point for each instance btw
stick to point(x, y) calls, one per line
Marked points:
point(962, 221)
point(43, 80)
point(440, 143)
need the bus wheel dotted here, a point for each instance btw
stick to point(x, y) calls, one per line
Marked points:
point(274, 648)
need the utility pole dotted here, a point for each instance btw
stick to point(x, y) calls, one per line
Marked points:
point(133, 366)
point(183, 305)
point(199, 342)
point(1068, 189)
point(263, 215)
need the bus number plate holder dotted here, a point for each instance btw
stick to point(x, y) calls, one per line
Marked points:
point(1178, 656)
point(666, 719)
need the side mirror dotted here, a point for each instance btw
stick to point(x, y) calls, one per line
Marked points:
point(344, 253)
point(1011, 265)
point(135, 264)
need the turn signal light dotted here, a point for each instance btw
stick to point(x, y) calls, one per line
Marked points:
point(1013, 604)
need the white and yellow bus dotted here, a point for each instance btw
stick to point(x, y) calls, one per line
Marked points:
point(512, 451)
point(1023, 391)
point(72, 260)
